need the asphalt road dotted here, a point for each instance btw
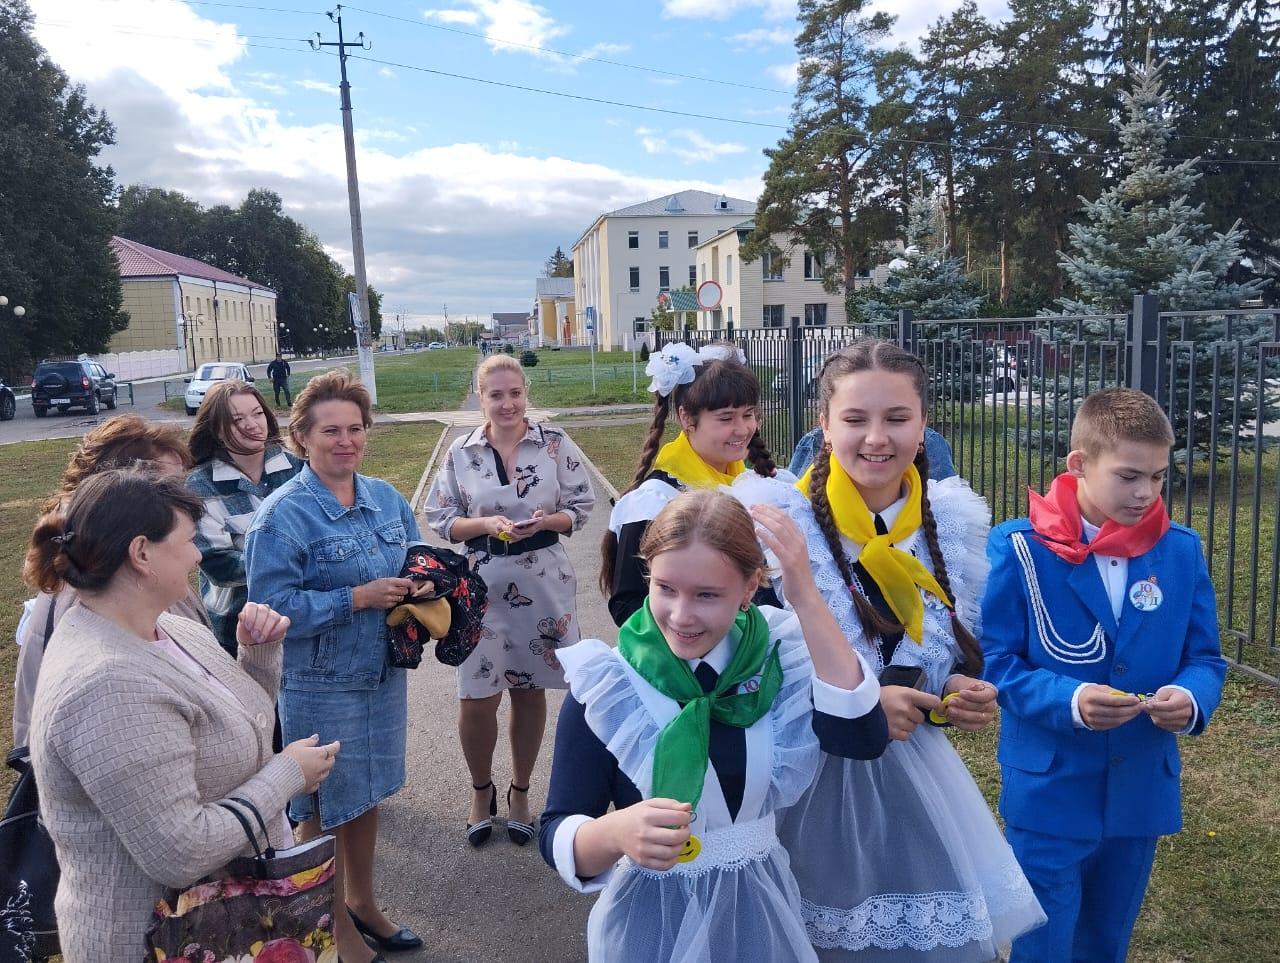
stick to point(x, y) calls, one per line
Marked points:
point(147, 398)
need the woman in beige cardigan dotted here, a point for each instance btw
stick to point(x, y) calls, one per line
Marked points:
point(142, 722)
point(120, 442)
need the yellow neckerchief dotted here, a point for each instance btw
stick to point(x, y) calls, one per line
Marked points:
point(899, 574)
point(678, 459)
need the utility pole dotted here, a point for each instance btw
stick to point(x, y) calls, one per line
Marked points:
point(353, 190)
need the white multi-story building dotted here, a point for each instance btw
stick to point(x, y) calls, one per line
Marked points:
point(766, 293)
point(629, 256)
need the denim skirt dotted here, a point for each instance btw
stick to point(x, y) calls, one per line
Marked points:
point(370, 724)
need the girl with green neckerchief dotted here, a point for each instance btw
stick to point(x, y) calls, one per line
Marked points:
point(710, 716)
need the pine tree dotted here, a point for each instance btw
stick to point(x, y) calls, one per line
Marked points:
point(926, 280)
point(559, 265)
point(817, 190)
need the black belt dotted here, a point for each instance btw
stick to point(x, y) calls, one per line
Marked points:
point(496, 546)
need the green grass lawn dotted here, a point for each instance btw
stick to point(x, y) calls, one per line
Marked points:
point(1212, 897)
point(397, 453)
point(440, 380)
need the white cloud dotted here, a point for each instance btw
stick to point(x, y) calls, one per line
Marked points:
point(762, 38)
point(386, 72)
point(691, 146)
point(513, 21)
point(784, 74)
point(321, 86)
point(464, 224)
point(701, 10)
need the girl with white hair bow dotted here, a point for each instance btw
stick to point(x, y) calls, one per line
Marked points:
point(715, 398)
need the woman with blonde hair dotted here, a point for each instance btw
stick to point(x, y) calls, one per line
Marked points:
point(239, 460)
point(326, 550)
point(119, 442)
point(510, 490)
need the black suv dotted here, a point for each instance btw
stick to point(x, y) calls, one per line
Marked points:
point(8, 403)
point(71, 384)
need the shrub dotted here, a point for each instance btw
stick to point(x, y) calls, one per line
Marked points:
point(507, 349)
point(644, 351)
point(529, 358)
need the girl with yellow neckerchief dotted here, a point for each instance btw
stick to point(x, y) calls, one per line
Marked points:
point(899, 858)
point(715, 398)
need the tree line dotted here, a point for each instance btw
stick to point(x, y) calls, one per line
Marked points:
point(1012, 124)
point(59, 207)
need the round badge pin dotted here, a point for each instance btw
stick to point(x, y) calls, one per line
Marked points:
point(689, 852)
point(1145, 595)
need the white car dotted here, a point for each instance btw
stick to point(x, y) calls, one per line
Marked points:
point(205, 377)
point(435, 346)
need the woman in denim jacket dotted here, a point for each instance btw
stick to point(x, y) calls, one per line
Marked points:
point(326, 550)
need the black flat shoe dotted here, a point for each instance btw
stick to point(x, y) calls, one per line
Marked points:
point(402, 939)
point(518, 832)
point(478, 833)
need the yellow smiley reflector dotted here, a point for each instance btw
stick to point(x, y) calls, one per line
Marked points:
point(689, 852)
point(939, 716)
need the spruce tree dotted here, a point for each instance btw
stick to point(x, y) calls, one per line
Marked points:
point(1143, 235)
point(925, 280)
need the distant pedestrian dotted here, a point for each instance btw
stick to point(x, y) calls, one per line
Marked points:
point(278, 371)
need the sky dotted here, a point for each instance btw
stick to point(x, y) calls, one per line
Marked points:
point(466, 187)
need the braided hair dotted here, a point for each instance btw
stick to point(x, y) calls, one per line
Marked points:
point(721, 383)
point(875, 355)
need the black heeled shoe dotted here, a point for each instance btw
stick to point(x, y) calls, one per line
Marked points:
point(518, 832)
point(478, 833)
point(402, 939)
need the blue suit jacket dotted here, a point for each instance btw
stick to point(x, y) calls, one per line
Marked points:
point(1077, 783)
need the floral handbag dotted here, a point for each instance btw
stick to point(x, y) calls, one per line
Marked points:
point(273, 907)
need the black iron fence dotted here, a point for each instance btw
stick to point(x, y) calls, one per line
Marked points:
point(1003, 392)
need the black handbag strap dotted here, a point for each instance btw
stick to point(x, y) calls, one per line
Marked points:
point(266, 836)
point(258, 854)
point(48, 621)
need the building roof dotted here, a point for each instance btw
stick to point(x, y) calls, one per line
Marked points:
point(687, 203)
point(680, 204)
point(746, 227)
point(510, 317)
point(554, 288)
point(683, 301)
point(140, 261)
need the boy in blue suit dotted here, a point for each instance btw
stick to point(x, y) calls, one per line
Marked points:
point(1101, 635)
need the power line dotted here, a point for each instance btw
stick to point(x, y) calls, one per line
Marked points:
point(572, 56)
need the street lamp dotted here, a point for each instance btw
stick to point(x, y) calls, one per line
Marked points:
point(18, 309)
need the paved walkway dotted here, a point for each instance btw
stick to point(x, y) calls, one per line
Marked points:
point(499, 902)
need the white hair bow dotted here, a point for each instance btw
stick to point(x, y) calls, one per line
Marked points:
point(673, 365)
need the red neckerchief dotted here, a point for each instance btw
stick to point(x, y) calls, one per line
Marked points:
point(1058, 527)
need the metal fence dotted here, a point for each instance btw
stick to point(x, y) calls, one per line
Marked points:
point(1003, 392)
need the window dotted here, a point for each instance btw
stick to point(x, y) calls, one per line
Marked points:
point(812, 267)
point(633, 240)
point(693, 275)
point(771, 272)
point(664, 279)
point(664, 240)
point(773, 316)
point(728, 269)
point(639, 325)
point(693, 238)
point(729, 315)
point(815, 315)
point(635, 279)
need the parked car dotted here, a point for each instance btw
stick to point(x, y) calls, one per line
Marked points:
point(72, 384)
point(204, 378)
point(435, 346)
point(8, 403)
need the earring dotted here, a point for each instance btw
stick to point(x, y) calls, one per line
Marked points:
point(744, 606)
point(920, 449)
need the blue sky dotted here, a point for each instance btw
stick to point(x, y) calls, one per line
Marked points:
point(466, 187)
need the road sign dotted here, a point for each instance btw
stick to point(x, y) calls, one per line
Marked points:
point(709, 295)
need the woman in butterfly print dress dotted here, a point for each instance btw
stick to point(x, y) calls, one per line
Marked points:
point(506, 472)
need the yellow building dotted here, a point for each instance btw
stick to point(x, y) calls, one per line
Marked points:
point(183, 312)
point(554, 320)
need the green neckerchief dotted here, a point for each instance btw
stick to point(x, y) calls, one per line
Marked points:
point(680, 759)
